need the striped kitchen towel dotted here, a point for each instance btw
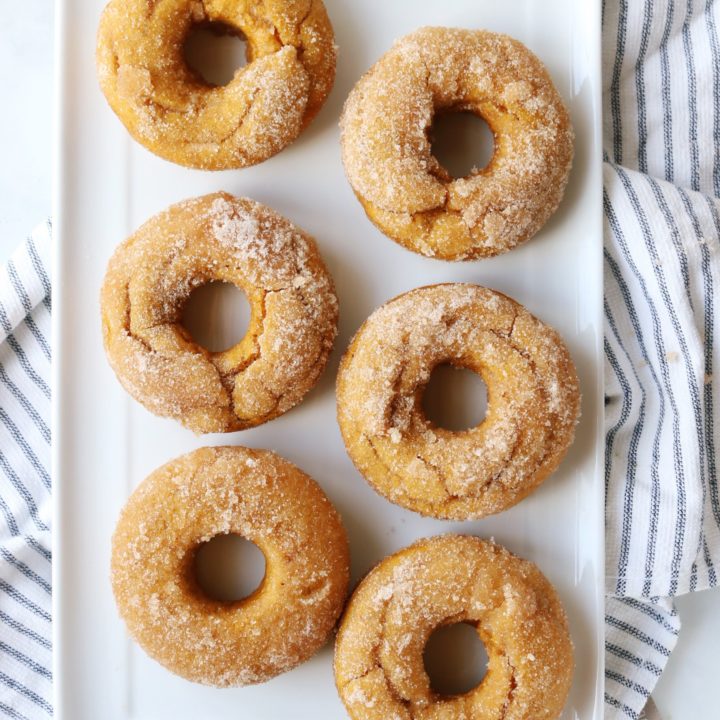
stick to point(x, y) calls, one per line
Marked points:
point(25, 591)
point(662, 328)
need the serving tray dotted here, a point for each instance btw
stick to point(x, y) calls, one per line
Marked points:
point(105, 443)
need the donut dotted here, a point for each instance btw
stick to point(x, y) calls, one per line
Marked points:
point(387, 152)
point(532, 389)
point(293, 313)
point(263, 498)
point(168, 107)
point(443, 581)
point(446, 580)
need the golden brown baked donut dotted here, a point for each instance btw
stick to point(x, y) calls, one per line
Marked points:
point(442, 581)
point(293, 318)
point(404, 189)
point(533, 401)
point(263, 498)
point(173, 112)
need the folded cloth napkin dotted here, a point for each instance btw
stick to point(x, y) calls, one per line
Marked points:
point(662, 328)
point(25, 591)
point(662, 343)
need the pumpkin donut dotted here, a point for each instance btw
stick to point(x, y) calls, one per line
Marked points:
point(443, 581)
point(533, 401)
point(387, 152)
point(173, 112)
point(293, 313)
point(263, 498)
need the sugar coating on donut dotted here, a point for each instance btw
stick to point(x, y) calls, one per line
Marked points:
point(379, 667)
point(533, 401)
point(173, 112)
point(263, 498)
point(387, 152)
point(293, 319)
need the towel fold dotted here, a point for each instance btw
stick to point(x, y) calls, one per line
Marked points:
point(25, 591)
point(662, 331)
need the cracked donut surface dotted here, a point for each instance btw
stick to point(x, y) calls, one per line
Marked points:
point(533, 401)
point(263, 498)
point(293, 313)
point(172, 111)
point(386, 147)
point(445, 580)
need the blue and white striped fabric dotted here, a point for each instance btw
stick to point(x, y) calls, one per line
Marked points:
point(25, 591)
point(662, 328)
point(662, 315)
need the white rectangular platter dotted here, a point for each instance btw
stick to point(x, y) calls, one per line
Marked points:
point(105, 443)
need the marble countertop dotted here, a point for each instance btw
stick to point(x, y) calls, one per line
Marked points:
point(26, 68)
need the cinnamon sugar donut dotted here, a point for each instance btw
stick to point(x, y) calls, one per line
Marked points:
point(293, 318)
point(533, 401)
point(172, 111)
point(404, 189)
point(442, 581)
point(263, 498)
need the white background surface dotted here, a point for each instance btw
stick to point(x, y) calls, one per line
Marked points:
point(25, 139)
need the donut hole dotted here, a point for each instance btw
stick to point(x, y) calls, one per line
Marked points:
point(215, 51)
point(462, 142)
point(455, 659)
point(228, 568)
point(455, 398)
point(216, 315)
